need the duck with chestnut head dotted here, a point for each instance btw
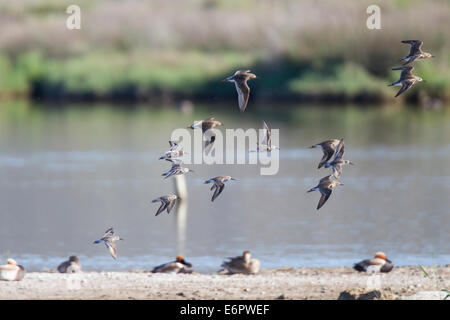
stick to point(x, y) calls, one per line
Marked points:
point(178, 266)
point(380, 263)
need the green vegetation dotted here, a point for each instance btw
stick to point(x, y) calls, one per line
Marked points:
point(134, 50)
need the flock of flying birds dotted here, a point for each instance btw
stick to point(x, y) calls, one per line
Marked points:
point(333, 153)
point(407, 79)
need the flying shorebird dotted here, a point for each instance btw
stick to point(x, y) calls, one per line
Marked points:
point(415, 53)
point(109, 239)
point(329, 148)
point(338, 162)
point(175, 151)
point(207, 127)
point(167, 202)
point(242, 264)
point(380, 263)
point(325, 186)
point(407, 79)
point(267, 139)
point(178, 266)
point(240, 79)
point(176, 168)
point(219, 185)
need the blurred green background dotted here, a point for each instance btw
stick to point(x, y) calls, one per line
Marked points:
point(140, 50)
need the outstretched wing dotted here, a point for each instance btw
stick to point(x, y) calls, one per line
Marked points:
point(243, 91)
point(325, 195)
point(161, 208)
point(170, 206)
point(325, 179)
point(415, 46)
point(108, 233)
point(405, 86)
point(340, 149)
point(328, 152)
point(173, 145)
point(219, 189)
point(112, 248)
point(337, 170)
point(267, 135)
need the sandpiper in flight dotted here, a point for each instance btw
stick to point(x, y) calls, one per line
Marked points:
point(415, 52)
point(109, 239)
point(218, 185)
point(407, 79)
point(325, 186)
point(329, 148)
point(207, 127)
point(240, 79)
point(176, 168)
point(266, 142)
point(167, 203)
point(175, 151)
point(338, 162)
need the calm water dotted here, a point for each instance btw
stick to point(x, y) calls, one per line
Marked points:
point(67, 174)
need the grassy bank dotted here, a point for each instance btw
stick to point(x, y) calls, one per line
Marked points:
point(304, 50)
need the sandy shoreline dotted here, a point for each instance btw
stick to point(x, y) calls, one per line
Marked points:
point(282, 283)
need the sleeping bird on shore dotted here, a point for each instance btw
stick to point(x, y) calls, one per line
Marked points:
point(218, 185)
point(109, 239)
point(415, 52)
point(11, 271)
point(240, 79)
point(242, 264)
point(178, 266)
point(325, 186)
point(70, 266)
point(380, 263)
point(407, 79)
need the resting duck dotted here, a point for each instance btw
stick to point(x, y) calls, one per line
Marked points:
point(380, 263)
point(242, 264)
point(11, 271)
point(71, 266)
point(177, 266)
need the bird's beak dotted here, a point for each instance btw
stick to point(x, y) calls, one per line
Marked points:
point(234, 179)
point(352, 163)
point(191, 170)
point(341, 184)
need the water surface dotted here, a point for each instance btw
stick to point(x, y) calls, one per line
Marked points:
point(67, 173)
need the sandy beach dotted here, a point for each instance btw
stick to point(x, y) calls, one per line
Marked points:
point(282, 283)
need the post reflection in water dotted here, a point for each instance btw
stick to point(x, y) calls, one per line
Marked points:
point(180, 213)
